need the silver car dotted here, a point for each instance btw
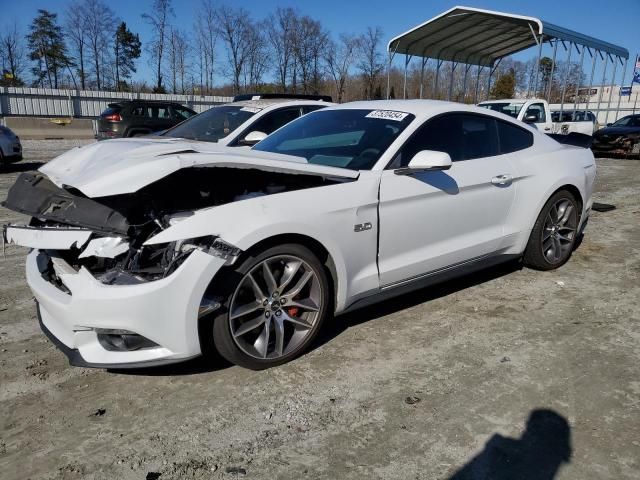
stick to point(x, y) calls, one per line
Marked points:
point(10, 147)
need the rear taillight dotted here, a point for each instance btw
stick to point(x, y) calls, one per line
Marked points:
point(113, 117)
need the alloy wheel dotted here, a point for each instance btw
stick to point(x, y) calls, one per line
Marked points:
point(559, 231)
point(275, 307)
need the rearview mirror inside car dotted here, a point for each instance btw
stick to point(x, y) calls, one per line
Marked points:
point(253, 137)
point(426, 160)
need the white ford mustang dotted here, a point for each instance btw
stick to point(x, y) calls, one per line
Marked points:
point(145, 250)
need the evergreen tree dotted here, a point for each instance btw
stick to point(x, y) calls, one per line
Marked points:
point(47, 48)
point(505, 86)
point(127, 49)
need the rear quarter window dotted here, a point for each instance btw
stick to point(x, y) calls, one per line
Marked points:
point(513, 138)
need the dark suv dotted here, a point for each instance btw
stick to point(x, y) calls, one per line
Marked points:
point(140, 117)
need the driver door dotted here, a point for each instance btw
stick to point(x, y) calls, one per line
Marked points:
point(436, 219)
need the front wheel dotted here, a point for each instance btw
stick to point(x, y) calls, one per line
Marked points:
point(275, 304)
point(554, 234)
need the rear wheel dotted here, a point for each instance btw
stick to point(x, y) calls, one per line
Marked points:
point(554, 234)
point(275, 304)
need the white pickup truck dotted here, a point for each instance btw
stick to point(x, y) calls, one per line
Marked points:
point(536, 111)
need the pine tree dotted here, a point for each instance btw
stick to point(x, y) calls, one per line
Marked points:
point(47, 47)
point(127, 49)
point(505, 86)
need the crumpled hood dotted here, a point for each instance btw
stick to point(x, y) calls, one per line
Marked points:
point(122, 166)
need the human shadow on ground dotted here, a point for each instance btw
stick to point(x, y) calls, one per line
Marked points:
point(538, 454)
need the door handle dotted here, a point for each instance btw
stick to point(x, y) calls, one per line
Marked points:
point(504, 179)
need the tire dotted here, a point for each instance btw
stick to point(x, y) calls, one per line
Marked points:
point(280, 324)
point(554, 234)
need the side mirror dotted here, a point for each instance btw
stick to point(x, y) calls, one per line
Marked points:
point(252, 138)
point(609, 124)
point(530, 119)
point(425, 161)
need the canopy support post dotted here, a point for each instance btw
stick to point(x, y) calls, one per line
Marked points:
point(535, 83)
point(575, 97)
point(475, 98)
point(435, 84)
point(391, 55)
point(624, 73)
point(492, 70)
point(407, 59)
point(593, 71)
point(613, 81)
point(454, 65)
point(604, 76)
point(566, 77)
point(553, 67)
point(467, 67)
point(424, 64)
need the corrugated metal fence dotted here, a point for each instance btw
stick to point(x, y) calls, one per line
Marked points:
point(49, 102)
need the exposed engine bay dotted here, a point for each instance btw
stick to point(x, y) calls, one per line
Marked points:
point(106, 234)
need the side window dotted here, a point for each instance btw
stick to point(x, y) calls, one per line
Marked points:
point(163, 112)
point(137, 111)
point(311, 108)
point(513, 138)
point(537, 109)
point(274, 120)
point(462, 136)
point(181, 113)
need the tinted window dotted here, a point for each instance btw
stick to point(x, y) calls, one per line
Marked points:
point(312, 108)
point(182, 113)
point(513, 138)
point(462, 136)
point(138, 111)
point(111, 111)
point(347, 138)
point(272, 121)
point(511, 109)
point(214, 124)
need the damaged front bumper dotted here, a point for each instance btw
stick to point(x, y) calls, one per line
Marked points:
point(75, 309)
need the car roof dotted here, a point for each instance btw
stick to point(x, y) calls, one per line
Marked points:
point(268, 102)
point(422, 108)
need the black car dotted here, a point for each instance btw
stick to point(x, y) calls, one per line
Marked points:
point(621, 138)
point(140, 117)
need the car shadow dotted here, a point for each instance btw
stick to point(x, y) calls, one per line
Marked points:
point(538, 454)
point(212, 361)
point(20, 167)
point(341, 323)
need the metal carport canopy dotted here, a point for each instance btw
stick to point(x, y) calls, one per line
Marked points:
point(480, 37)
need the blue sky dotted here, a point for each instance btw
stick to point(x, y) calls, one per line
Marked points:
point(615, 21)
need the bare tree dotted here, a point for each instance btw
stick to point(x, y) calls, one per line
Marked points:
point(161, 12)
point(206, 35)
point(100, 22)
point(280, 28)
point(76, 30)
point(370, 63)
point(257, 56)
point(339, 57)
point(309, 43)
point(178, 51)
point(12, 56)
point(234, 29)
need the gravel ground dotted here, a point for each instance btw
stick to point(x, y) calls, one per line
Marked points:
point(529, 374)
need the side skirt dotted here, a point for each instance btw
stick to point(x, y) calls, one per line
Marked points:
point(437, 276)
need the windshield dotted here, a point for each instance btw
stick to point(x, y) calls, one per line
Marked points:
point(508, 108)
point(353, 139)
point(629, 121)
point(214, 124)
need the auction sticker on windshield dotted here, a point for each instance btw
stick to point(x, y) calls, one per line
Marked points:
point(387, 115)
